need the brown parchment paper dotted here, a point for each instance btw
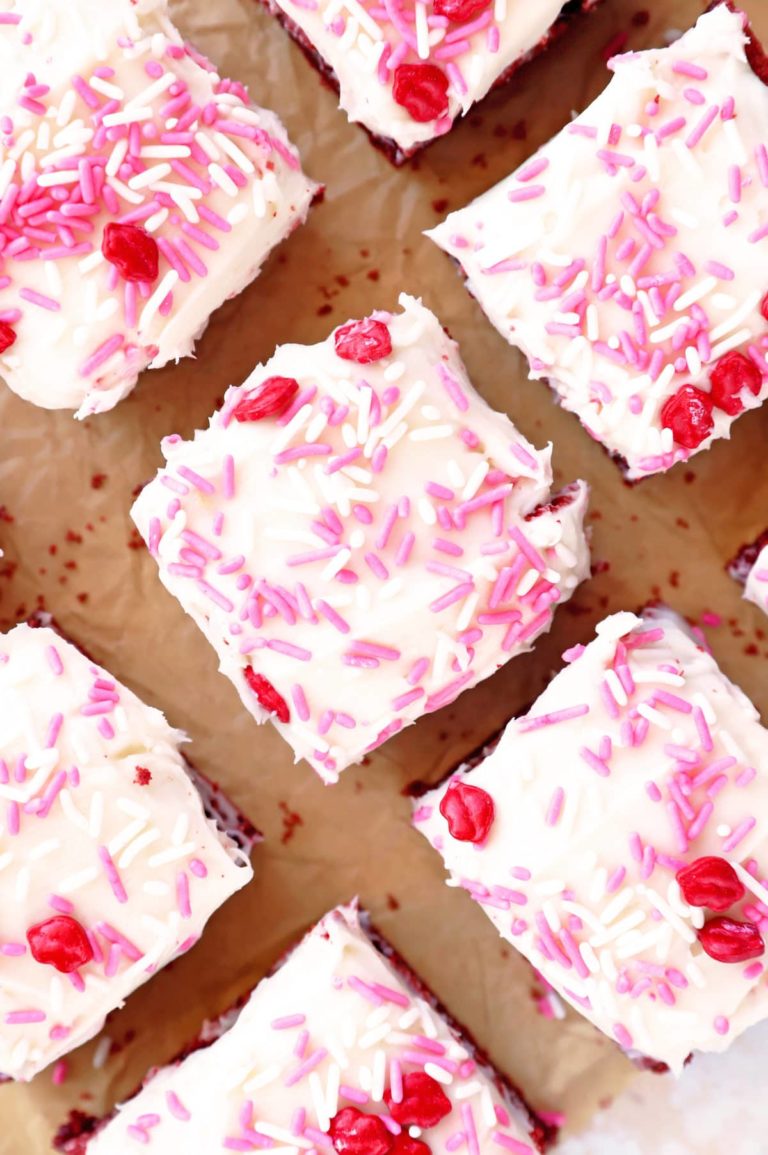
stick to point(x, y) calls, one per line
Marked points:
point(70, 546)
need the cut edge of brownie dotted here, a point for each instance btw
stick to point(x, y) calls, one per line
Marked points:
point(386, 145)
point(74, 1136)
point(739, 566)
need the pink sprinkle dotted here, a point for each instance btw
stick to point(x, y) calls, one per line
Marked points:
point(739, 834)
point(111, 872)
point(102, 354)
point(287, 1021)
point(182, 894)
point(555, 808)
point(60, 1068)
point(688, 68)
point(39, 299)
point(18, 1018)
point(176, 1107)
point(54, 660)
point(721, 1025)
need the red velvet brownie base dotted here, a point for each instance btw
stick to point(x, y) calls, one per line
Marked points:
point(396, 155)
point(739, 566)
point(74, 1136)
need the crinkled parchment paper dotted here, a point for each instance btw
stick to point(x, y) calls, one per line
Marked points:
point(70, 546)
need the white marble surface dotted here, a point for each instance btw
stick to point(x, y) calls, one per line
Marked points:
point(717, 1107)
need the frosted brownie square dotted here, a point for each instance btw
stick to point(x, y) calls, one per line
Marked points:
point(139, 190)
point(111, 860)
point(407, 71)
point(360, 536)
point(616, 835)
point(342, 1049)
point(626, 258)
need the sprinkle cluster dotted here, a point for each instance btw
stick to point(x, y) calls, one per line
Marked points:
point(622, 849)
point(125, 187)
point(95, 801)
point(645, 302)
point(339, 1051)
point(433, 58)
point(366, 523)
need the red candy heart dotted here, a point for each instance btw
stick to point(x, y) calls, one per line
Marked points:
point(734, 372)
point(271, 399)
point(355, 1133)
point(729, 941)
point(267, 695)
point(363, 341)
point(405, 1145)
point(132, 251)
point(7, 336)
point(469, 812)
point(689, 415)
point(711, 882)
point(422, 90)
point(60, 942)
point(460, 10)
point(424, 1102)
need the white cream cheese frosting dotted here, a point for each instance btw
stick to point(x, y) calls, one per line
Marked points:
point(626, 258)
point(756, 589)
point(470, 44)
point(107, 120)
point(639, 759)
point(336, 1029)
point(103, 839)
point(381, 543)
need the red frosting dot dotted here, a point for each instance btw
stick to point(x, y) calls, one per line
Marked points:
point(355, 1133)
point(469, 812)
point(60, 942)
point(688, 413)
point(270, 399)
point(132, 251)
point(7, 336)
point(424, 1102)
point(460, 10)
point(422, 90)
point(711, 882)
point(734, 372)
point(764, 307)
point(363, 341)
point(142, 777)
point(728, 941)
point(267, 695)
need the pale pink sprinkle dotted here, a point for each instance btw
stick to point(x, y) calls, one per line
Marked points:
point(721, 1025)
point(700, 129)
point(592, 760)
point(196, 480)
point(40, 300)
point(551, 719)
point(182, 895)
point(309, 1064)
point(287, 1021)
point(101, 355)
point(176, 1107)
point(688, 68)
point(18, 1018)
point(112, 876)
point(404, 700)
point(54, 729)
point(739, 834)
point(405, 548)
point(10, 18)
point(616, 880)
point(529, 193)
point(354, 1094)
point(555, 808)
